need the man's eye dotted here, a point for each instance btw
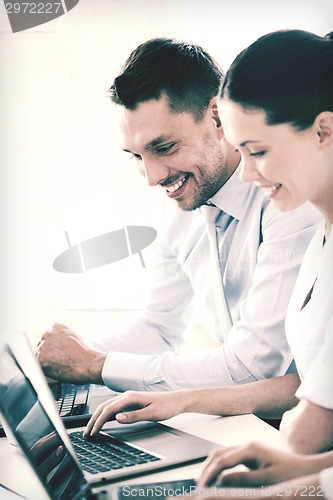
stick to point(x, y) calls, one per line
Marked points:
point(167, 149)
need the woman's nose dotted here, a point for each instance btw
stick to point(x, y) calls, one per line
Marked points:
point(248, 169)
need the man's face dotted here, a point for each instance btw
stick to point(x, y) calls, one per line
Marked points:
point(186, 158)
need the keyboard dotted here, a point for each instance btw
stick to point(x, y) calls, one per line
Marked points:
point(70, 399)
point(103, 453)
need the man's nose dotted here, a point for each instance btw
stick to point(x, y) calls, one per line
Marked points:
point(248, 170)
point(153, 171)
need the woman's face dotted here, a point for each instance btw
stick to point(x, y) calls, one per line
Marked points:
point(281, 160)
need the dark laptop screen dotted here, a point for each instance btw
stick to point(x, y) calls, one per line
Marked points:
point(36, 434)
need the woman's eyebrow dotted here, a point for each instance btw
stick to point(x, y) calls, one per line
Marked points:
point(247, 142)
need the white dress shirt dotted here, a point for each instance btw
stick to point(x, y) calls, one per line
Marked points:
point(260, 252)
point(310, 329)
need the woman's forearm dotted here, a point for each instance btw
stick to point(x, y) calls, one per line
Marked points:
point(266, 398)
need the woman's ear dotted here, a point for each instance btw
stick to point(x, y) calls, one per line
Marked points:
point(324, 129)
point(214, 110)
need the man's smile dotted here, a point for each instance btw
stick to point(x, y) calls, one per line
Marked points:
point(177, 188)
point(176, 185)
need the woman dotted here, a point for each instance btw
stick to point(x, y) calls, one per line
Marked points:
point(276, 107)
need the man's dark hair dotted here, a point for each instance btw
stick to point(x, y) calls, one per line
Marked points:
point(187, 74)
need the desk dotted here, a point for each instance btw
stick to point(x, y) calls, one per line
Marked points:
point(15, 473)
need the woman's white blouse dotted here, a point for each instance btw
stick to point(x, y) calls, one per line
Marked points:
point(326, 481)
point(310, 329)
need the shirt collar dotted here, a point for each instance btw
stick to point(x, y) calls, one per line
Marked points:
point(232, 196)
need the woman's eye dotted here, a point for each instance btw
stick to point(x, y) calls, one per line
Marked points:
point(258, 154)
point(136, 156)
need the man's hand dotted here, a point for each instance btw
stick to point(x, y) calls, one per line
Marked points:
point(64, 356)
point(265, 466)
point(136, 406)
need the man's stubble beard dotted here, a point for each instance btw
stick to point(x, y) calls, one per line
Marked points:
point(210, 183)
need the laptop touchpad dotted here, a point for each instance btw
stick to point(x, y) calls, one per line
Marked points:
point(152, 440)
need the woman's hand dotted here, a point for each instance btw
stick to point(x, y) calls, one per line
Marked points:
point(137, 406)
point(265, 466)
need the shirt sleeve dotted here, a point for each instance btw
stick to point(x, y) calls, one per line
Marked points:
point(316, 386)
point(326, 481)
point(161, 324)
point(257, 346)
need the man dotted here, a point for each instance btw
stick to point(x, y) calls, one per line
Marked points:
point(166, 99)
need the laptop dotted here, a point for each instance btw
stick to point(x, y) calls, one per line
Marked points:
point(76, 403)
point(32, 422)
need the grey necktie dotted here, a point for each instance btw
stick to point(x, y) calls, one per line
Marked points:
point(210, 214)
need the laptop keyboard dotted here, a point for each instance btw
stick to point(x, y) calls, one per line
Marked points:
point(103, 453)
point(71, 400)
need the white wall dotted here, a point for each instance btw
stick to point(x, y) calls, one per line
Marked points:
point(61, 168)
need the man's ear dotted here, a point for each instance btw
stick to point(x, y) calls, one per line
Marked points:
point(324, 129)
point(214, 111)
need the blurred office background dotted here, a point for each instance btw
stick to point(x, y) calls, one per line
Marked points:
point(62, 171)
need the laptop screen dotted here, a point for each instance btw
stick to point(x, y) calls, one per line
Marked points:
point(37, 436)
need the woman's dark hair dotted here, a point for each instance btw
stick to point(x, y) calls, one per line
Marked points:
point(186, 73)
point(287, 73)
